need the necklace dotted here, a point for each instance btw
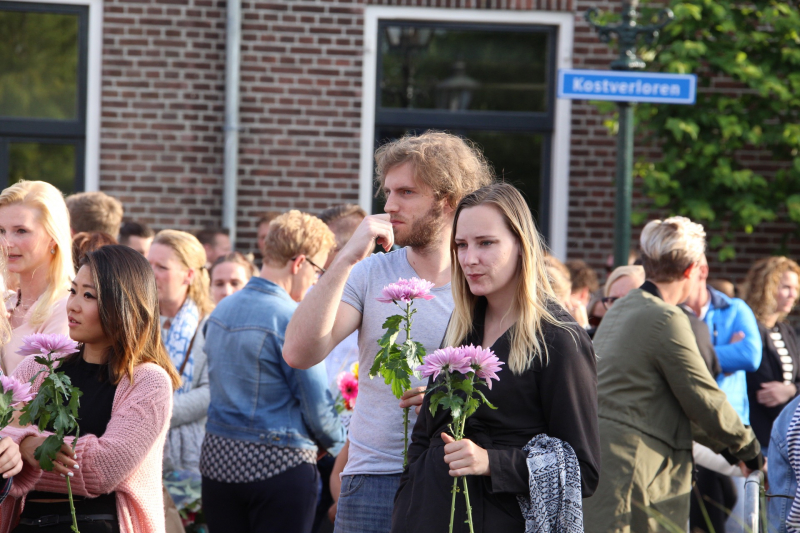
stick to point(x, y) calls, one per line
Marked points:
point(19, 306)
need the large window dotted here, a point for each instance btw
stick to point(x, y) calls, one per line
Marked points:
point(43, 57)
point(490, 83)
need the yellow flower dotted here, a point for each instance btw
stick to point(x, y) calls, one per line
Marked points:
point(354, 369)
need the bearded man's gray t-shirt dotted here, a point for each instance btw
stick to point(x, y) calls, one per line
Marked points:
point(376, 429)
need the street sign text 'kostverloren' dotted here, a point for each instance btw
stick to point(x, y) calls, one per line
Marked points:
point(627, 86)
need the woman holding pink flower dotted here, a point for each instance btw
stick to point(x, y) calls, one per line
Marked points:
point(547, 388)
point(127, 381)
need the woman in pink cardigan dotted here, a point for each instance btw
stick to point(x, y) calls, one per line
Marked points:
point(127, 382)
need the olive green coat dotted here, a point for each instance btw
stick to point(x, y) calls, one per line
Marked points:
point(653, 388)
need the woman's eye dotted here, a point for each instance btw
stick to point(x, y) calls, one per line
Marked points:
point(486, 243)
point(88, 295)
point(22, 231)
point(71, 291)
point(461, 245)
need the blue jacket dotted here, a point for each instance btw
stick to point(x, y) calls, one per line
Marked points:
point(782, 479)
point(726, 316)
point(255, 395)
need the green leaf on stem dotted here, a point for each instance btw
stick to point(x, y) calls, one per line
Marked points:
point(46, 453)
point(435, 399)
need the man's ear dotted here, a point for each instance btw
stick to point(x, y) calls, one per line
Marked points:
point(296, 263)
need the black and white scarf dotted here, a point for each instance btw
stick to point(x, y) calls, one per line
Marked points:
point(554, 480)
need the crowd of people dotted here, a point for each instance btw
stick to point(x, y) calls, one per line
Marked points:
point(661, 390)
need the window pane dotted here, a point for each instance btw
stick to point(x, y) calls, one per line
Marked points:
point(53, 163)
point(430, 67)
point(515, 157)
point(38, 65)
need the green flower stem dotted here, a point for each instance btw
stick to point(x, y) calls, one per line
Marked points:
point(405, 437)
point(406, 410)
point(453, 503)
point(74, 527)
point(469, 508)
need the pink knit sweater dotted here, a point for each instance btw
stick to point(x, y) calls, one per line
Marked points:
point(126, 459)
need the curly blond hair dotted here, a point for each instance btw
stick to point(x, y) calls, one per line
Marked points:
point(761, 284)
point(295, 233)
point(451, 166)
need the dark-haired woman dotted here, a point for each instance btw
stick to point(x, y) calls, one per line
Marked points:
point(127, 382)
point(547, 388)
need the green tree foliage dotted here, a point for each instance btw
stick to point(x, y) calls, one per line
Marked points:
point(756, 45)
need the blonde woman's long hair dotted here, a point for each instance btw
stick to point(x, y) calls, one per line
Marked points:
point(48, 202)
point(534, 291)
point(192, 255)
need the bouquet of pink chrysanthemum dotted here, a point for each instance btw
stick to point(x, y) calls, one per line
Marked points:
point(347, 382)
point(462, 370)
point(55, 407)
point(396, 362)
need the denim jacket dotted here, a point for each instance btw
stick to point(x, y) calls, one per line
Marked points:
point(255, 395)
point(782, 479)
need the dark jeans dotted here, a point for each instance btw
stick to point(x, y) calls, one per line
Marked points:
point(283, 503)
point(721, 492)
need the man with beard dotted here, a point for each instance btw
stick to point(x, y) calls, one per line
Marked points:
point(423, 178)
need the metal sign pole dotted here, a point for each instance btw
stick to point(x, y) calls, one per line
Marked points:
point(627, 33)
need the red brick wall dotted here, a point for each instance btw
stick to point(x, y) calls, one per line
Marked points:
point(163, 113)
point(162, 109)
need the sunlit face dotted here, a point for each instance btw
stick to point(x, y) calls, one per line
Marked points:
point(306, 277)
point(172, 277)
point(417, 217)
point(24, 238)
point(227, 278)
point(140, 244)
point(83, 312)
point(786, 295)
point(488, 253)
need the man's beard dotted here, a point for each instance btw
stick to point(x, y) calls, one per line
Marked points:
point(425, 230)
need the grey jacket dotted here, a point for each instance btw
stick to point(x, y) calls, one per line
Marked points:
point(189, 411)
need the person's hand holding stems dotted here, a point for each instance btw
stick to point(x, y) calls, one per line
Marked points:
point(65, 462)
point(465, 458)
point(413, 397)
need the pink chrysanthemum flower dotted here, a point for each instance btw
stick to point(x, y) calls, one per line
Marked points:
point(483, 362)
point(20, 392)
point(444, 360)
point(348, 386)
point(406, 290)
point(47, 343)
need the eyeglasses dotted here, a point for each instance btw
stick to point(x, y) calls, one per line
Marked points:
point(319, 269)
point(608, 301)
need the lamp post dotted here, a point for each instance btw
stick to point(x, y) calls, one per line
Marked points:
point(627, 32)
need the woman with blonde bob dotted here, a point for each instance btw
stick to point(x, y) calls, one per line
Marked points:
point(178, 260)
point(34, 227)
point(503, 300)
point(771, 290)
point(652, 385)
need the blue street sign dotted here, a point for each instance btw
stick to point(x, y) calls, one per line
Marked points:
point(627, 86)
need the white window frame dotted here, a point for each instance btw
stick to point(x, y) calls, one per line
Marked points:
point(94, 65)
point(559, 174)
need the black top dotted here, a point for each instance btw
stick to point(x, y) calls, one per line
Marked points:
point(558, 398)
point(772, 369)
point(94, 413)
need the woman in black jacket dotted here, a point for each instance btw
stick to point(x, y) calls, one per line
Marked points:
point(771, 290)
point(503, 300)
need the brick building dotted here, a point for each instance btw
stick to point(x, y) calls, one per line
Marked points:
point(322, 83)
